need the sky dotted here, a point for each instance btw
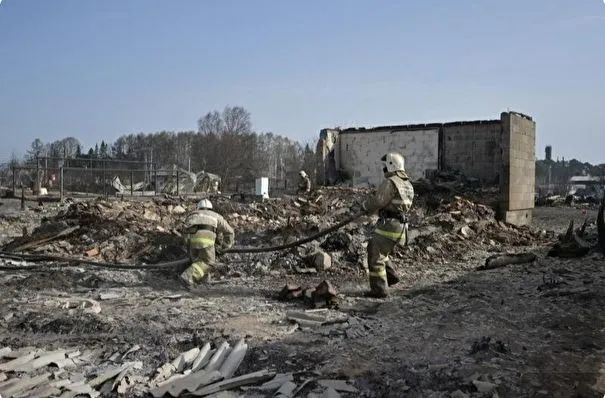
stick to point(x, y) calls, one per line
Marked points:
point(96, 70)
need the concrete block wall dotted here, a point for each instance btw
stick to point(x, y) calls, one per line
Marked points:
point(500, 150)
point(517, 185)
point(473, 149)
point(360, 153)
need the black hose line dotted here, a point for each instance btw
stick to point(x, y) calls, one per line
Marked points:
point(67, 261)
point(298, 242)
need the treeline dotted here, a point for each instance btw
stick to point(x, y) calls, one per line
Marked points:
point(560, 171)
point(224, 144)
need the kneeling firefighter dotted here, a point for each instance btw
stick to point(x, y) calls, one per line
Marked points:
point(206, 232)
point(392, 200)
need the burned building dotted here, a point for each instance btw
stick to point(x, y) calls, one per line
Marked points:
point(498, 151)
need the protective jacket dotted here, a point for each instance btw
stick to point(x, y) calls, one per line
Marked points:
point(393, 199)
point(204, 231)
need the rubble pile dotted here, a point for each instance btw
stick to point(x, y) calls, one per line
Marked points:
point(201, 371)
point(288, 211)
point(111, 230)
point(442, 225)
point(461, 225)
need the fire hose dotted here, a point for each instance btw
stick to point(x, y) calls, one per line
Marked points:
point(68, 261)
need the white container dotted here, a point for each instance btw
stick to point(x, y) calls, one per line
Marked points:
point(262, 187)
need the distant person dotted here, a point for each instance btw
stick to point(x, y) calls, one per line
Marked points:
point(304, 186)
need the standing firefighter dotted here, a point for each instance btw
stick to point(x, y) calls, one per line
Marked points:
point(304, 186)
point(202, 228)
point(392, 200)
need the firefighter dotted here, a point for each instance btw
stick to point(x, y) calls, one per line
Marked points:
point(392, 200)
point(206, 233)
point(304, 186)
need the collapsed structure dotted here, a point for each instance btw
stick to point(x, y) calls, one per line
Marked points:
point(498, 151)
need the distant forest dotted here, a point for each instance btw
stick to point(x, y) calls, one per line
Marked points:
point(225, 144)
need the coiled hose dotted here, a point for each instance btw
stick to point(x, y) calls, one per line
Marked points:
point(69, 261)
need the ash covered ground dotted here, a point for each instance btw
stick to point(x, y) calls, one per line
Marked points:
point(448, 329)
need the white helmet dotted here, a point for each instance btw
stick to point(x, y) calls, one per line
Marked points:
point(393, 161)
point(302, 173)
point(204, 204)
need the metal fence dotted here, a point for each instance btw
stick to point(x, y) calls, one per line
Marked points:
point(110, 178)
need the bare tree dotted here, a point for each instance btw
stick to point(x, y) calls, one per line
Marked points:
point(237, 120)
point(211, 123)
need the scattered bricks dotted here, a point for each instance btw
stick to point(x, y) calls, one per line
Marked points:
point(324, 294)
point(92, 252)
point(308, 293)
point(320, 260)
point(290, 292)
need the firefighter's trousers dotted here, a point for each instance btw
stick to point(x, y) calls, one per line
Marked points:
point(387, 234)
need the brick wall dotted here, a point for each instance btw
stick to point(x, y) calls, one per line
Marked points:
point(517, 185)
point(359, 153)
point(473, 149)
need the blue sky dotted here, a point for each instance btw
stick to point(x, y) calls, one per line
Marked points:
point(99, 69)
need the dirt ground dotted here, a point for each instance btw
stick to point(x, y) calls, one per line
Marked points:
point(447, 330)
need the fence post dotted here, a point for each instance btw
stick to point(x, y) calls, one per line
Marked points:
point(155, 180)
point(37, 187)
point(131, 182)
point(22, 198)
point(103, 179)
point(178, 183)
point(14, 182)
point(61, 184)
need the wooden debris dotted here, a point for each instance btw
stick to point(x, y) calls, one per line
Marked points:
point(110, 295)
point(250, 378)
point(304, 319)
point(88, 305)
point(502, 260)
